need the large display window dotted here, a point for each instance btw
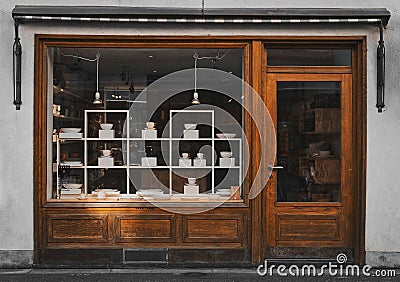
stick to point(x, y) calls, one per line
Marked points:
point(130, 124)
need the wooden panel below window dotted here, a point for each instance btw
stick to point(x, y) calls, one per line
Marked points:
point(303, 227)
point(213, 228)
point(75, 228)
point(145, 228)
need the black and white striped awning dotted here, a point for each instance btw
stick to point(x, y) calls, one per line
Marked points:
point(185, 15)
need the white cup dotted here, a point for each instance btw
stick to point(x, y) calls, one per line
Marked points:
point(185, 155)
point(82, 196)
point(191, 180)
point(106, 153)
point(200, 155)
point(150, 124)
point(101, 194)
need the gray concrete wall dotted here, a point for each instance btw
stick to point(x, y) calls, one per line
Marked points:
point(16, 128)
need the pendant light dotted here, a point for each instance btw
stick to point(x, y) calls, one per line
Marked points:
point(195, 100)
point(97, 99)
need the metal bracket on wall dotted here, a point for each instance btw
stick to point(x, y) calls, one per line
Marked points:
point(17, 52)
point(380, 70)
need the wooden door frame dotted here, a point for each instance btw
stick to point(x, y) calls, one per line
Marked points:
point(359, 117)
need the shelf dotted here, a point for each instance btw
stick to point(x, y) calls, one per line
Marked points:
point(192, 139)
point(113, 167)
point(149, 139)
point(60, 91)
point(130, 169)
point(228, 139)
point(105, 139)
point(225, 167)
point(67, 118)
point(191, 167)
point(144, 167)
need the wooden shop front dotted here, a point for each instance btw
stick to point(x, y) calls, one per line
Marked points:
point(314, 90)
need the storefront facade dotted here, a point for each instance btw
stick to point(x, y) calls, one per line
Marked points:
point(317, 84)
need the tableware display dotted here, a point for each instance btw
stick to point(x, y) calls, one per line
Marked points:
point(150, 125)
point(226, 135)
point(226, 154)
point(73, 185)
point(192, 180)
point(71, 129)
point(106, 153)
point(190, 126)
point(106, 126)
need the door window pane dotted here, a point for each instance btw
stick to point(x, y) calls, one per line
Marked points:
point(309, 141)
point(308, 57)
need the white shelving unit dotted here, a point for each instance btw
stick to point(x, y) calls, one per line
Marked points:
point(170, 166)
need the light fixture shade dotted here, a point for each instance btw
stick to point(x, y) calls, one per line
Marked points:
point(97, 99)
point(195, 100)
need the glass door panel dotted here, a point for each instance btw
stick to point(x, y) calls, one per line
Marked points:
point(309, 141)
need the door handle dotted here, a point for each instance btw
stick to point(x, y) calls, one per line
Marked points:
point(271, 168)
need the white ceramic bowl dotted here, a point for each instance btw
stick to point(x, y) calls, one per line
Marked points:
point(71, 130)
point(226, 154)
point(190, 126)
point(191, 180)
point(72, 186)
point(106, 153)
point(226, 135)
point(106, 126)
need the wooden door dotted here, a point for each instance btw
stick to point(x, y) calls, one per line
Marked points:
point(309, 199)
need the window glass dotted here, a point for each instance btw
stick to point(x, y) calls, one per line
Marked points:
point(308, 57)
point(309, 141)
point(113, 136)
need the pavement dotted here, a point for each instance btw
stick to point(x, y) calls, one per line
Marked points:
point(167, 274)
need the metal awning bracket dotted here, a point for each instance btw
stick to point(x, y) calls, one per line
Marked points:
point(380, 70)
point(17, 52)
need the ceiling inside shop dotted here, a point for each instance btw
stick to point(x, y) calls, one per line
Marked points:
point(150, 62)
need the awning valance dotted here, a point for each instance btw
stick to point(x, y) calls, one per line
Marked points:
point(24, 13)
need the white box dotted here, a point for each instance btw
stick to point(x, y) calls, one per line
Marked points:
point(105, 161)
point(106, 134)
point(199, 162)
point(191, 189)
point(63, 135)
point(149, 134)
point(191, 134)
point(185, 162)
point(149, 161)
point(229, 162)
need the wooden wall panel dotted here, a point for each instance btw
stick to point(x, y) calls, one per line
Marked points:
point(75, 228)
point(145, 228)
point(213, 228)
point(305, 227)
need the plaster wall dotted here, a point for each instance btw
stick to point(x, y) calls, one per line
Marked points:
point(16, 127)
